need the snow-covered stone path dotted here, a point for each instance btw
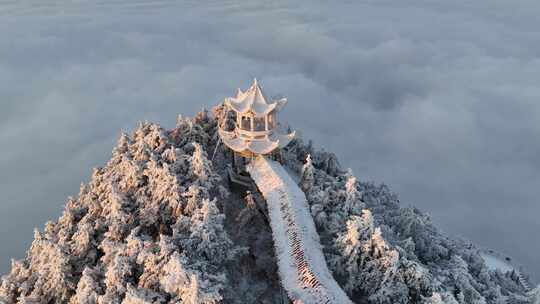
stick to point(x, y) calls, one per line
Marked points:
point(302, 267)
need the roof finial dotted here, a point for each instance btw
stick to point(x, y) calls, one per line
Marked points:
point(255, 83)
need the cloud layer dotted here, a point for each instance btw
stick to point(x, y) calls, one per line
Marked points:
point(437, 99)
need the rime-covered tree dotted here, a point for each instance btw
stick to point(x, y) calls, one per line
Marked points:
point(370, 266)
point(307, 175)
point(208, 237)
point(535, 295)
point(352, 204)
point(200, 168)
point(150, 227)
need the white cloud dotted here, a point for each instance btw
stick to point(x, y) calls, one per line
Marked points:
point(439, 99)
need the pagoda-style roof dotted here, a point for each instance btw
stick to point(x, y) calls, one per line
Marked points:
point(256, 128)
point(258, 146)
point(254, 101)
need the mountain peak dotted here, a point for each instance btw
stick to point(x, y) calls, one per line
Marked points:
point(160, 223)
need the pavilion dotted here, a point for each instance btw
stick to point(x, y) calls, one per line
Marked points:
point(256, 126)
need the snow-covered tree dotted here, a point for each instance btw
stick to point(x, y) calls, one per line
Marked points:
point(208, 237)
point(535, 295)
point(441, 298)
point(200, 169)
point(49, 271)
point(351, 244)
point(307, 176)
point(193, 198)
point(150, 227)
point(88, 289)
point(369, 265)
point(353, 203)
point(187, 284)
point(142, 296)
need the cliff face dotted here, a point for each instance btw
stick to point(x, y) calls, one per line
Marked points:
point(160, 224)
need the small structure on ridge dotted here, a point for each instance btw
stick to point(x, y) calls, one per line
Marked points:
point(256, 127)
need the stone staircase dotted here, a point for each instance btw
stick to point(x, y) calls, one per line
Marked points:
point(301, 264)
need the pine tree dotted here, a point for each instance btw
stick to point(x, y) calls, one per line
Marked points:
point(208, 237)
point(353, 203)
point(200, 170)
point(200, 166)
point(88, 288)
point(441, 298)
point(307, 177)
point(353, 246)
point(185, 283)
point(535, 295)
point(193, 198)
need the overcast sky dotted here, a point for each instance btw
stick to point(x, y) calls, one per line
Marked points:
point(438, 99)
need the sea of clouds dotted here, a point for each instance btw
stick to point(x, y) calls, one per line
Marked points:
point(438, 99)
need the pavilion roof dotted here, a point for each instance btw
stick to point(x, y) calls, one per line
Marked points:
point(263, 146)
point(253, 100)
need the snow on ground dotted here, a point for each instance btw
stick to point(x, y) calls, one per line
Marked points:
point(301, 263)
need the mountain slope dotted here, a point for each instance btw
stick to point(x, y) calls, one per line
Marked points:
point(160, 224)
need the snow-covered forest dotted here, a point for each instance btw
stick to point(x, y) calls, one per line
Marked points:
point(159, 223)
